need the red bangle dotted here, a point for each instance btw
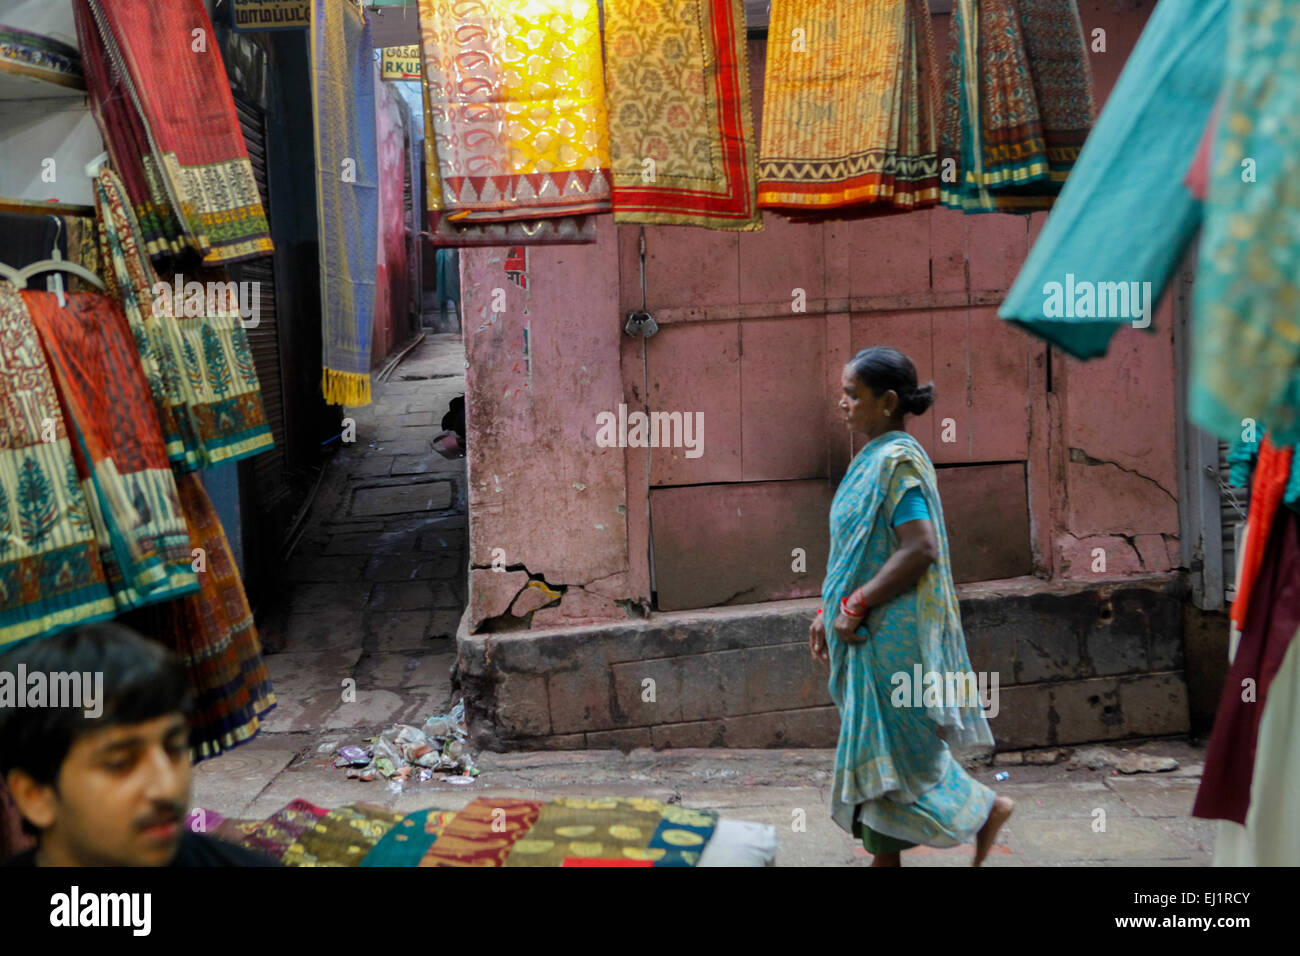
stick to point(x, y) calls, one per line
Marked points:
point(819, 611)
point(848, 610)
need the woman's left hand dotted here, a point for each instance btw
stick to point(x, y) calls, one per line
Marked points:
point(846, 629)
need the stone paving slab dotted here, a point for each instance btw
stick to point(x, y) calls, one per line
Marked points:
point(402, 500)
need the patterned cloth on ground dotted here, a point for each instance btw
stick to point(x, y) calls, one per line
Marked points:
point(407, 843)
point(1135, 159)
point(1246, 328)
point(213, 633)
point(517, 98)
point(274, 835)
point(51, 577)
point(121, 461)
point(195, 354)
point(509, 832)
point(678, 88)
point(893, 772)
point(1017, 102)
point(347, 195)
point(848, 107)
point(342, 837)
point(160, 95)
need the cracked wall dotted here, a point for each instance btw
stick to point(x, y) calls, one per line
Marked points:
point(547, 505)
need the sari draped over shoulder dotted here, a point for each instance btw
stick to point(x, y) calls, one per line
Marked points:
point(893, 772)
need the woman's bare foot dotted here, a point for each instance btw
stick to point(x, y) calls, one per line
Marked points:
point(999, 815)
point(887, 859)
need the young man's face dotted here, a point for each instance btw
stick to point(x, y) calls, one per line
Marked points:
point(122, 797)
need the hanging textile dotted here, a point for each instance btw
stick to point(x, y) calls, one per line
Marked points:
point(1198, 175)
point(159, 93)
point(1272, 470)
point(1225, 791)
point(213, 634)
point(347, 195)
point(51, 578)
point(195, 355)
point(848, 107)
point(443, 233)
point(1246, 326)
point(678, 87)
point(121, 460)
point(1017, 102)
point(518, 105)
point(1270, 836)
point(1134, 159)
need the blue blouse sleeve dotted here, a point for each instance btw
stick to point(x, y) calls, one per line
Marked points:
point(911, 507)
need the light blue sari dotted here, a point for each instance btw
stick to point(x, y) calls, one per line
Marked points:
point(893, 773)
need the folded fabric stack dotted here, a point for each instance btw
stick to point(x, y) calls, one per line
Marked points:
point(31, 54)
point(1017, 103)
point(849, 125)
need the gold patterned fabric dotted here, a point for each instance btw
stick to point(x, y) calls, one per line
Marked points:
point(342, 837)
point(517, 99)
point(681, 132)
point(849, 108)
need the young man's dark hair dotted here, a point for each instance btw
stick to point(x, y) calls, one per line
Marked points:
point(102, 777)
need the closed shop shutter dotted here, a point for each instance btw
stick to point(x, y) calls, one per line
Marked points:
point(264, 339)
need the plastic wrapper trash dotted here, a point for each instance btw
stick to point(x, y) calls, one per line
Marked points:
point(403, 752)
point(351, 757)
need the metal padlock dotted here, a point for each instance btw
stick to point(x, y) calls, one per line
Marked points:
point(641, 323)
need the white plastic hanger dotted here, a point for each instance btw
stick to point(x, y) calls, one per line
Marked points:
point(93, 167)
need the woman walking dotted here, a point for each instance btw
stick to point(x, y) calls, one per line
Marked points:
point(890, 595)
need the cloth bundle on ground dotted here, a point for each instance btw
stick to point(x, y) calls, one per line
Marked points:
point(505, 832)
point(160, 95)
point(849, 123)
point(1135, 159)
point(678, 88)
point(1017, 102)
point(516, 107)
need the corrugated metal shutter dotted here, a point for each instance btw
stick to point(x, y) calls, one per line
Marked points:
point(1232, 513)
point(264, 340)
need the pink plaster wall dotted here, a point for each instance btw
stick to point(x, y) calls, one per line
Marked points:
point(391, 282)
point(1099, 447)
point(540, 488)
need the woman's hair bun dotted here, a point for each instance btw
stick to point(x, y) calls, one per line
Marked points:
point(920, 399)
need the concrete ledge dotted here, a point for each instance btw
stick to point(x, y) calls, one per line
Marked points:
point(1075, 663)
